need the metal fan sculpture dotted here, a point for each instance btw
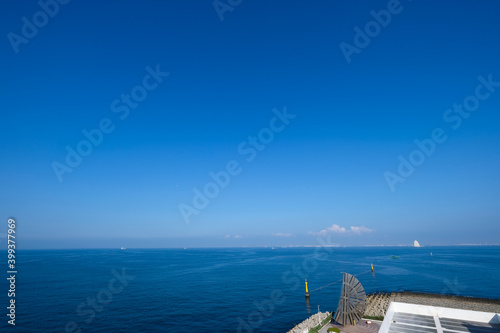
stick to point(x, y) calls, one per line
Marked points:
point(352, 303)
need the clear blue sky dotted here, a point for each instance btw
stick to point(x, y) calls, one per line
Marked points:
point(326, 167)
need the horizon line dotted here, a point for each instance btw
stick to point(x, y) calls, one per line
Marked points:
point(251, 247)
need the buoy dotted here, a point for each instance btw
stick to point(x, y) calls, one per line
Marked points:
point(373, 271)
point(431, 254)
point(307, 290)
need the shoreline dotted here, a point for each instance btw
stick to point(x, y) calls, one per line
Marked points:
point(310, 322)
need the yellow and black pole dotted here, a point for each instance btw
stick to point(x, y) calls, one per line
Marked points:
point(373, 271)
point(307, 290)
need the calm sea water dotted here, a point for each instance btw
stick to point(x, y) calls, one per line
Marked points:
point(223, 290)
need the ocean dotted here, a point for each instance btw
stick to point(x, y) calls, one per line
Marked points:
point(223, 290)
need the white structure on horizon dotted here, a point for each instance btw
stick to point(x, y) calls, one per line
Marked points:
point(416, 244)
point(405, 318)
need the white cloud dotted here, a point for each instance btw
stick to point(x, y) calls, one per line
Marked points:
point(336, 229)
point(228, 236)
point(238, 236)
point(359, 230)
point(281, 234)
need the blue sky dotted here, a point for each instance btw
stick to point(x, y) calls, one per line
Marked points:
point(324, 171)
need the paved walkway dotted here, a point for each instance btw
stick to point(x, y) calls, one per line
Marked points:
point(361, 327)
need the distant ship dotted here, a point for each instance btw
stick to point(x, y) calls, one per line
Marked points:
point(123, 248)
point(416, 244)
